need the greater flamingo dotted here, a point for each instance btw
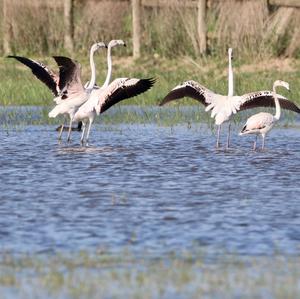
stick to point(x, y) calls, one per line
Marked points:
point(261, 123)
point(85, 112)
point(51, 79)
point(102, 99)
point(222, 107)
point(73, 93)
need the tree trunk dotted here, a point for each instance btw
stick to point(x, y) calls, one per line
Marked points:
point(202, 26)
point(136, 28)
point(6, 28)
point(69, 26)
point(294, 43)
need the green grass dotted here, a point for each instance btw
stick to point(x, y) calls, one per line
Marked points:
point(20, 87)
point(125, 275)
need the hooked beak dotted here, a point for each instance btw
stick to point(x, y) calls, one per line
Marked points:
point(125, 45)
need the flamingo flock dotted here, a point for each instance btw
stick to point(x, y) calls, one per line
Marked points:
point(83, 103)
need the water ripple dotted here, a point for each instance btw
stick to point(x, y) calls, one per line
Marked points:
point(149, 187)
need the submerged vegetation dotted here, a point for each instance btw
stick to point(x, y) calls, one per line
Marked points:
point(126, 275)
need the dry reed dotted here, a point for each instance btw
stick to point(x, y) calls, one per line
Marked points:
point(250, 26)
point(241, 25)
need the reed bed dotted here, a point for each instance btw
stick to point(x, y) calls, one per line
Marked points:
point(253, 27)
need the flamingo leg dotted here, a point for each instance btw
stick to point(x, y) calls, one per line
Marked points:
point(60, 132)
point(70, 130)
point(263, 142)
point(254, 143)
point(83, 133)
point(218, 137)
point(88, 132)
point(228, 136)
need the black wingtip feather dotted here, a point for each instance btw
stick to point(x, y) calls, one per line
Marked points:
point(16, 57)
point(63, 61)
point(40, 71)
point(125, 92)
point(164, 100)
point(168, 98)
point(149, 81)
point(244, 129)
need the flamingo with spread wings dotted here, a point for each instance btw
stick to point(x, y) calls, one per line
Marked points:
point(223, 107)
point(51, 79)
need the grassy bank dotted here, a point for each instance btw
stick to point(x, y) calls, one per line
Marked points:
point(186, 275)
point(20, 87)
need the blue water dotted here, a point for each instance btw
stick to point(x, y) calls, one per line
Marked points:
point(149, 187)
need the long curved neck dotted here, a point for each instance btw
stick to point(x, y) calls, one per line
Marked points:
point(277, 105)
point(109, 67)
point(93, 71)
point(230, 78)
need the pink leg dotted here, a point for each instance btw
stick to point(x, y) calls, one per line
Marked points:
point(218, 137)
point(254, 143)
point(263, 142)
point(228, 136)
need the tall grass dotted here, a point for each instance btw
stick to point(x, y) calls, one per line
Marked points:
point(19, 87)
point(35, 27)
point(251, 26)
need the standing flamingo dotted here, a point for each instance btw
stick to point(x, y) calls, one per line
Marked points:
point(261, 123)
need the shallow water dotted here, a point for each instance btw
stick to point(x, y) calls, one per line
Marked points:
point(149, 187)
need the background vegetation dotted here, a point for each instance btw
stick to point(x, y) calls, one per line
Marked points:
point(251, 26)
point(265, 39)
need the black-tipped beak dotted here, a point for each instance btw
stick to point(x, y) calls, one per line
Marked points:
point(106, 46)
point(125, 45)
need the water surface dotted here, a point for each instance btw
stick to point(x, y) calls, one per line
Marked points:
point(148, 187)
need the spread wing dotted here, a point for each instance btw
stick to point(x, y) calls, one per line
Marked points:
point(42, 72)
point(69, 76)
point(265, 99)
point(121, 89)
point(190, 89)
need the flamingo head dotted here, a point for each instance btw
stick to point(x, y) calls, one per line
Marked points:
point(230, 55)
point(281, 83)
point(116, 42)
point(97, 46)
